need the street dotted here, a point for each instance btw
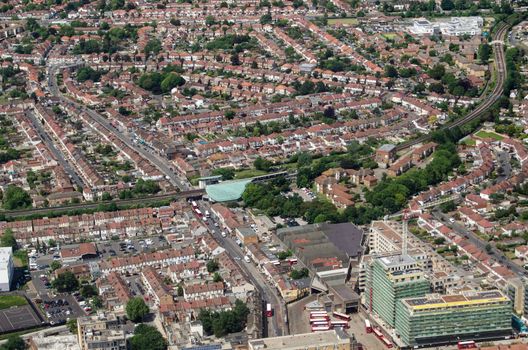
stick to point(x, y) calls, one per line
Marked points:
point(277, 326)
point(153, 158)
point(478, 242)
point(44, 136)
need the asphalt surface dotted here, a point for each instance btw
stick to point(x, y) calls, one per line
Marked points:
point(479, 242)
point(276, 324)
point(503, 159)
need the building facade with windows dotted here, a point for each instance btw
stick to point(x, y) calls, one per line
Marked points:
point(389, 279)
point(441, 319)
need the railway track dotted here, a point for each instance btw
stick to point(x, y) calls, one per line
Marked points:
point(486, 101)
point(84, 206)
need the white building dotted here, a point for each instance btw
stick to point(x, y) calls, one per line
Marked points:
point(6, 268)
point(455, 27)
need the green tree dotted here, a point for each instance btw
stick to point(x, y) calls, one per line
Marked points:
point(16, 198)
point(212, 266)
point(171, 81)
point(14, 342)
point(391, 71)
point(72, 325)
point(88, 290)
point(55, 265)
point(65, 282)
point(437, 72)
point(8, 239)
point(210, 21)
point(484, 52)
point(136, 309)
point(217, 277)
point(147, 338)
point(266, 18)
point(153, 46)
point(298, 274)
point(225, 322)
point(447, 5)
point(262, 164)
point(227, 173)
point(146, 187)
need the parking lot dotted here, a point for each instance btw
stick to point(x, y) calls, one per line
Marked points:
point(111, 249)
point(61, 308)
point(108, 249)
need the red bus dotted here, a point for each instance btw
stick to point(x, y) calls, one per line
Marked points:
point(292, 261)
point(343, 324)
point(318, 319)
point(377, 332)
point(468, 344)
point(194, 205)
point(320, 323)
point(318, 314)
point(269, 310)
point(198, 212)
point(368, 327)
point(341, 316)
point(320, 328)
point(387, 342)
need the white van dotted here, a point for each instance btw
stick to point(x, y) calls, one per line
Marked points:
point(246, 259)
point(224, 234)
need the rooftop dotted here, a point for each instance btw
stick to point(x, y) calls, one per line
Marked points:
point(5, 253)
point(300, 341)
point(465, 299)
point(227, 191)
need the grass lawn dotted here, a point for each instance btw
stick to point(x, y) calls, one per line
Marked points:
point(7, 335)
point(389, 36)
point(352, 21)
point(20, 258)
point(244, 174)
point(492, 135)
point(6, 301)
point(469, 141)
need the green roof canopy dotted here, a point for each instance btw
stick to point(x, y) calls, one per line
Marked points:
point(227, 190)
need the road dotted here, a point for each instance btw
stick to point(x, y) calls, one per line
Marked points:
point(44, 136)
point(277, 326)
point(486, 101)
point(143, 200)
point(157, 161)
point(479, 242)
point(503, 159)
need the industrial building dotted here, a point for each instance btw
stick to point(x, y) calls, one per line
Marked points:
point(389, 279)
point(442, 319)
point(331, 252)
point(6, 268)
point(335, 339)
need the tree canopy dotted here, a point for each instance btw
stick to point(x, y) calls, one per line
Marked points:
point(136, 309)
point(65, 282)
point(147, 338)
point(8, 239)
point(224, 322)
point(16, 198)
point(14, 342)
